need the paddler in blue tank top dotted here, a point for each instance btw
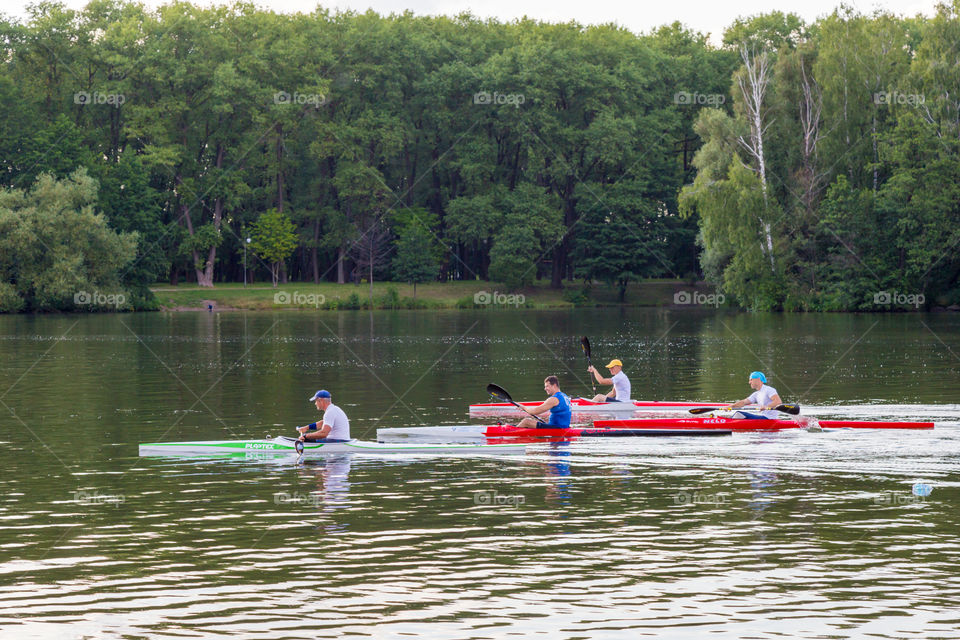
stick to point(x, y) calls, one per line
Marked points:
point(558, 404)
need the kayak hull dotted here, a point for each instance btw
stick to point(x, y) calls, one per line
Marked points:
point(583, 405)
point(735, 424)
point(510, 431)
point(283, 446)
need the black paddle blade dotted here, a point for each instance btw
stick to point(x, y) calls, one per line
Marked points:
point(585, 345)
point(299, 447)
point(499, 393)
point(792, 409)
point(700, 410)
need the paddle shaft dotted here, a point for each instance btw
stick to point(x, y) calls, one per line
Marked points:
point(585, 345)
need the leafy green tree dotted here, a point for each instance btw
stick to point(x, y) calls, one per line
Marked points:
point(513, 257)
point(415, 261)
point(57, 252)
point(273, 238)
point(627, 239)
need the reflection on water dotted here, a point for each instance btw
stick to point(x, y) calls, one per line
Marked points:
point(774, 535)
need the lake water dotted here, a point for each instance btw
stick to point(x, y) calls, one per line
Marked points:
point(775, 535)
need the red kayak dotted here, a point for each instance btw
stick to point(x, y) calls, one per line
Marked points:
point(510, 431)
point(739, 424)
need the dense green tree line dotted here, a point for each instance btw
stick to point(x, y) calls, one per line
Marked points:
point(509, 144)
point(795, 165)
point(834, 183)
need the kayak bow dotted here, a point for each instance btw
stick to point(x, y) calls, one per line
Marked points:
point(287, 446)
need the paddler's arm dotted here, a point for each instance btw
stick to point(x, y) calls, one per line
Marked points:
point(548, 404)
point(319, 431)
point(775, 401)
point(600, 379)
point(740, 403)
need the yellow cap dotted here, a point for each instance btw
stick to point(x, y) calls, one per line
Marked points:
point(614, 363)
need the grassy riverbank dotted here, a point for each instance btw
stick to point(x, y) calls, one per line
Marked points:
point(392, 295)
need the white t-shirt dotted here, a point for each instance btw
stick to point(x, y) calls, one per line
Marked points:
point(762, 398)
point(621, 383)
point(339, 424)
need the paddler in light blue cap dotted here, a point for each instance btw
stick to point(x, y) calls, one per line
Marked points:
point(764, 397)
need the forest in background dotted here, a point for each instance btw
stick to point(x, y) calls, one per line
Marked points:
point(796, 166)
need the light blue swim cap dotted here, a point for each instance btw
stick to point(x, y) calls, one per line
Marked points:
point(759, 375)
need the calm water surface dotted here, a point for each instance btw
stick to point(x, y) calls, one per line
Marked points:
point(786, 535)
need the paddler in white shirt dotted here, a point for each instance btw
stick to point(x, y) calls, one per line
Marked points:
point(335, 427)
point(621, 383)
point(763, 396)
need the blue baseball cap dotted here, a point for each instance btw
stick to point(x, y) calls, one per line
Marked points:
point(323, 393)
point(756, 374)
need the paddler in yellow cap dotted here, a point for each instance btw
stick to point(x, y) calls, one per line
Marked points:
point(621, 383)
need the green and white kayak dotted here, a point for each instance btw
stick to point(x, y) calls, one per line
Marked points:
point(287, 446)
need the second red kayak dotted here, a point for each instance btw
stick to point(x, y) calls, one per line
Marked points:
point(737, 424)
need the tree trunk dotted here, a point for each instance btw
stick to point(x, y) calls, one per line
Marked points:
point(371, 276)
point(279, 129)
point(340, 278)
point(753, 87)
point(313, 253)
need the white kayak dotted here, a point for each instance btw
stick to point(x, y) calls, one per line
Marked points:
point(286, 446)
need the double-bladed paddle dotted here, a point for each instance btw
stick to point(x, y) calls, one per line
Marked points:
point(585, 345)
point(792, 409)
point(501, 394)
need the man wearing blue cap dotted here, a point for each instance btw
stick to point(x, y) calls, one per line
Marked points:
point(335, 427)
point(765, 397)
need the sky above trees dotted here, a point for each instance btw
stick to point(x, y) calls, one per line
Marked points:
point(705, 16)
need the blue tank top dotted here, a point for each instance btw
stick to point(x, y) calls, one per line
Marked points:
point(560, 414)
